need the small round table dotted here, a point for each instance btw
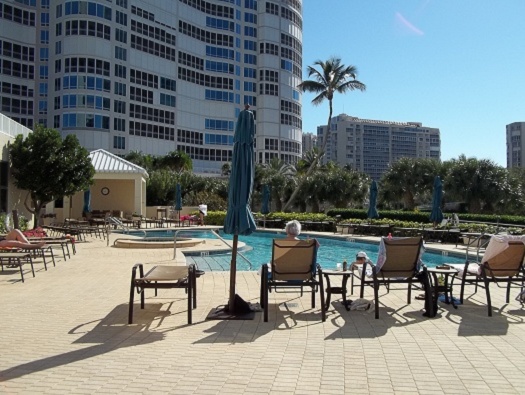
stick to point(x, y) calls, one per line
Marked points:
point(448, 274)
point(337, 290)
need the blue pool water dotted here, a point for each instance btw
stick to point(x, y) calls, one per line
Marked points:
point(259, 251)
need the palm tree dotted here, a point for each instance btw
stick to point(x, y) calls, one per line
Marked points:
point(332, 77)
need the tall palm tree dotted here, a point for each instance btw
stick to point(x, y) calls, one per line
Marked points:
point(332, 77)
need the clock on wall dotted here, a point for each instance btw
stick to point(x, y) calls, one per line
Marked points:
point(105, 191)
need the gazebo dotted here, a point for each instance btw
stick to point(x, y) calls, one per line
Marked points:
point(119, 187)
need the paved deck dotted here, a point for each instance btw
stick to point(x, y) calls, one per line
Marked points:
point(65, 331)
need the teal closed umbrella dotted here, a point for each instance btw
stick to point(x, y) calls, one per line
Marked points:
point(87, 201)
point(436, 216)
point(239, 219)
point(372, 209)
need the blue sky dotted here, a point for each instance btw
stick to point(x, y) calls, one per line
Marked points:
point(457, 65)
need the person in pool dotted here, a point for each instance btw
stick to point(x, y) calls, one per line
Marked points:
point(16, 239)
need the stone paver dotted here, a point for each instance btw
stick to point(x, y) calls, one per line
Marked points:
point(65, 331)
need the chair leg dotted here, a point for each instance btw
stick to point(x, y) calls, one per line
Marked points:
point(487, 291)
point(190, 293)
point(131, 294)
point(409, 295)
point(508, 289)
point(264, 291)
point(321, 289)
point(376, 297)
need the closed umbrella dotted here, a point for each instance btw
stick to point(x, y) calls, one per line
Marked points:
point(87, 201)
point(436, 216)
point(178, 199)
point(265, 210)
point(239, 219)
point(372, 210)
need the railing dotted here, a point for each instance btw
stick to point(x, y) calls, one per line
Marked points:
point(212, 231)
point(118, 224)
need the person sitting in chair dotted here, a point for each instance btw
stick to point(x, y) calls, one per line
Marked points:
point(16, 239)
point(293, 229)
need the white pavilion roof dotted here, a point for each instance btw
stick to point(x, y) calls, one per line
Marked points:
point(106, 162)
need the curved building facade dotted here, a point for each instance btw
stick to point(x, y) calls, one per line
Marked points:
point(164, 75)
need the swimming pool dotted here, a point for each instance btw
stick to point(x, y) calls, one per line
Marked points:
point(259, 251)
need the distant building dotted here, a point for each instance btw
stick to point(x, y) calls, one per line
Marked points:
point(371, 146)
point(309, 142)
point(156, 75)
point(515, 145)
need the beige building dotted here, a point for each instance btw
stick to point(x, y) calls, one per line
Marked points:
point(371, 146)
point(515, 145)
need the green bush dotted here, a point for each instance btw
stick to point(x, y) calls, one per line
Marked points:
point(22, 222)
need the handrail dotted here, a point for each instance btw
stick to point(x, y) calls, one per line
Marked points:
point(119, 224)
point(208, 230)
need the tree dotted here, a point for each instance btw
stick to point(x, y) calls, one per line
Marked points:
point(478, 182)
point(278, 175)
point(331, 78)
point(49, 167)
point(176, 161)
point(408, 179)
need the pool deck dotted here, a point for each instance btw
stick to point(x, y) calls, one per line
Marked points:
point(65, 332)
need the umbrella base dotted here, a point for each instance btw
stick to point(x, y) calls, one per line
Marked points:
point(243, 311)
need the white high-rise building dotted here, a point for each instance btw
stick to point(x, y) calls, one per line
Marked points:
point(371, 146)
point(516, 145)
point(309, 142)
point(156, 75)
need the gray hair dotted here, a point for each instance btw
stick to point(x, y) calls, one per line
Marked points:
point(293, 228)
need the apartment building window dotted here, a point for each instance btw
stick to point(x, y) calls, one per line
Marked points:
point(120, 71)
point(121, 18)
point(44, 54)
point(120, 89)
point(44, 37)
point(250, 31)
point(119, 124)
point(167, 100)
point(44, 19)
point(119, 142)
point(121, 36)
point(44, 72)
point(119, 106)
point(120, 53)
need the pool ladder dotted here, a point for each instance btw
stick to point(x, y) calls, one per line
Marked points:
point(201, 231)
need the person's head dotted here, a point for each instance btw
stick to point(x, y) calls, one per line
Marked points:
point(293, 228)
point(361, 257)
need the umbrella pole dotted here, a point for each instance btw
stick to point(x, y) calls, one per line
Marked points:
point(233, 274)
point(264, 221)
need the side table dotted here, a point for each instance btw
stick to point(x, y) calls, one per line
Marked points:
point(448, 274)
point(337, 290)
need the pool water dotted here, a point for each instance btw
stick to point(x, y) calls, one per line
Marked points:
point(259, 251)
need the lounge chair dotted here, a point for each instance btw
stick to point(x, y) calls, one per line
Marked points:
point(502, 262)
point(398, 262)
point(293, 265)
point(164, 277)
point(16, 259)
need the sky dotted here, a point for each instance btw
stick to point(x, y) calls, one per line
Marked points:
point(455, 65)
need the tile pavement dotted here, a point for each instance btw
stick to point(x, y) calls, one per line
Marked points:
point(65, 332)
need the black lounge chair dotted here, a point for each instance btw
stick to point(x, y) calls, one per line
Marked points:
point(293, 265)
point(400, 266)
point(502, 262)
point(164, 277)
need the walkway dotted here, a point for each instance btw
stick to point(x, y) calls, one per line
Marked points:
point(65, 331)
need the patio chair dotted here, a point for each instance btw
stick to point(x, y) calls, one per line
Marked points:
point(293, 265)
point(502, 262)
point(164, 277)
point(398, 262)
point(16, 259)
